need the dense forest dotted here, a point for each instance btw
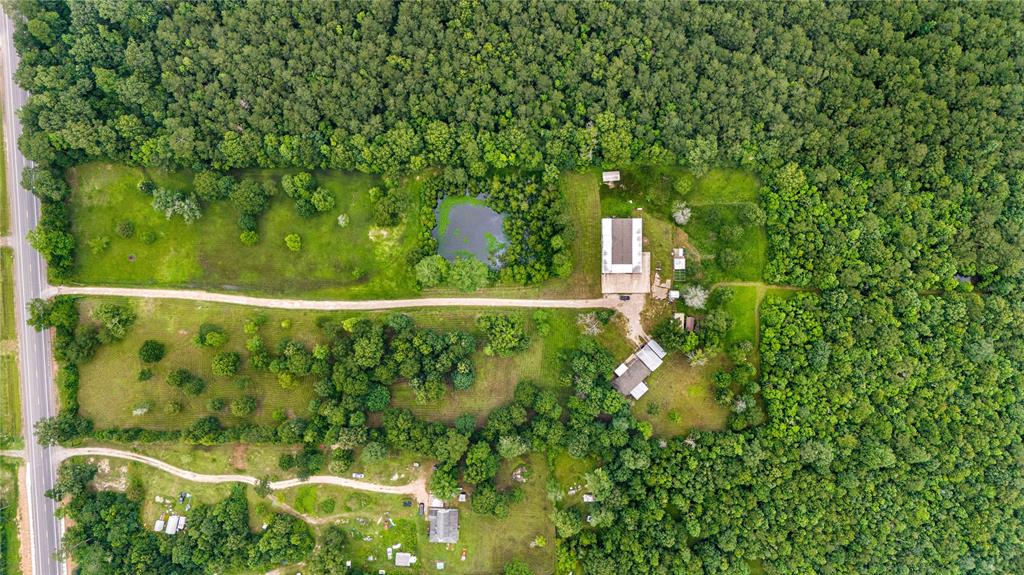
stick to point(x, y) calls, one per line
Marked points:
point(901, 122)
point(893, 445)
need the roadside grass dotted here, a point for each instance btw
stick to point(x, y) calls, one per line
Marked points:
point(10, 401)
point(5, 199)
point(7, 316)
point(11, 559)
point(358, 261)
point(681, 397)
point(497, 377)
point(490, 542)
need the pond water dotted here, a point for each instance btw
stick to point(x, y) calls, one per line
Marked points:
point(467, 227)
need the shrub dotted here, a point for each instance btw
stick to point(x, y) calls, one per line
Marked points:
point(431, 271)
point(468, 274)
point(145, 374)
point(187, 381)
point(115, 319)
point(176, 203)
point(293, 241)
point(343, 220)
point(243, 406)
point(681, 213)
point(210, 335)
point(172, 408)
point(249, 238)
point(506, 334)
point(216, 404)
point(226, 363)
point(142, 408)
point(152, 351)
point(125, 229)
point(149, 237)
point(99, 245)
point(373, 452)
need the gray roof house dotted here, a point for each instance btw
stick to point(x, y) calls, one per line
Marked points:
point(444, 525)
point(631, 375)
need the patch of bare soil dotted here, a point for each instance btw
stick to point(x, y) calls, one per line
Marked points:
point(238, 456)
point(23, 533)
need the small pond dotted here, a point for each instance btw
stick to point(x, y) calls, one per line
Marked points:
point(468, 227)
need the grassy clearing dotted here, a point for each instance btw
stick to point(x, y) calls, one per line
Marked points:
point(358, 261)
point(7, 316)
point(681, 397)
point(110, 389)
point(10, 400)
point(10, 560)
point(490, 542)
point(705, 230)
point(742, 308)
point(497, 376)
point(722, 186)
point(254, 460)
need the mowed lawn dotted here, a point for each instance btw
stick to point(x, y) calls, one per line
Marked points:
point(110, 389)
point(705, 232)
point(7, 316)
point(10, 400)
point(358, 261)
point(681, 397)
point(497, 377)
point(742, 308)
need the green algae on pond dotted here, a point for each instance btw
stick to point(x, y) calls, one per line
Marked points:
point(467, 226)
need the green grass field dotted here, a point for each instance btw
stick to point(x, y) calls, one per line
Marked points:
point(681, 397)
point(7, 317)
point(5, 200)
point(724, 186)
point(10, 400)
point(743, 311)
point(11, 559)
point(704, 230)
point(358, 261)
point(110, 389)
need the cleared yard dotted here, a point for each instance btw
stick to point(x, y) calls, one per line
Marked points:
point(489, 542)
point(358, 261)
point(681, 397)
point(742, 308)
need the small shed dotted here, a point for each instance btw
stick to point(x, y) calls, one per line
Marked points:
point(673, 295)
point(589, 498)
point(404, 559)
point(172, 525)
point(610, 178)
point(679, 259)
point(690, 324)
point(159, 526)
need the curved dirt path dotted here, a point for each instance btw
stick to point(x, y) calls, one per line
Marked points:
point(417, 489)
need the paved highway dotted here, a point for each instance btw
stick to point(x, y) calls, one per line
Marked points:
point(37, 385)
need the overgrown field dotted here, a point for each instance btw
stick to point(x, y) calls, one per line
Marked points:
point(357, 261)
point(110, 388)
point(10, 546)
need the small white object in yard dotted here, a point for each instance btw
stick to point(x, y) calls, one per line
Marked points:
point(589, 498)
point(572, 491)
point(394, 477)
point(397, 545)
point(368, 538)
point(348, 563)
point(358, 476)
point(440, 565)
point(415, 464)
point(462, 497)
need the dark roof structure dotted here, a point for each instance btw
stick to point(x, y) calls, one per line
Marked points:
point(444, 525)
